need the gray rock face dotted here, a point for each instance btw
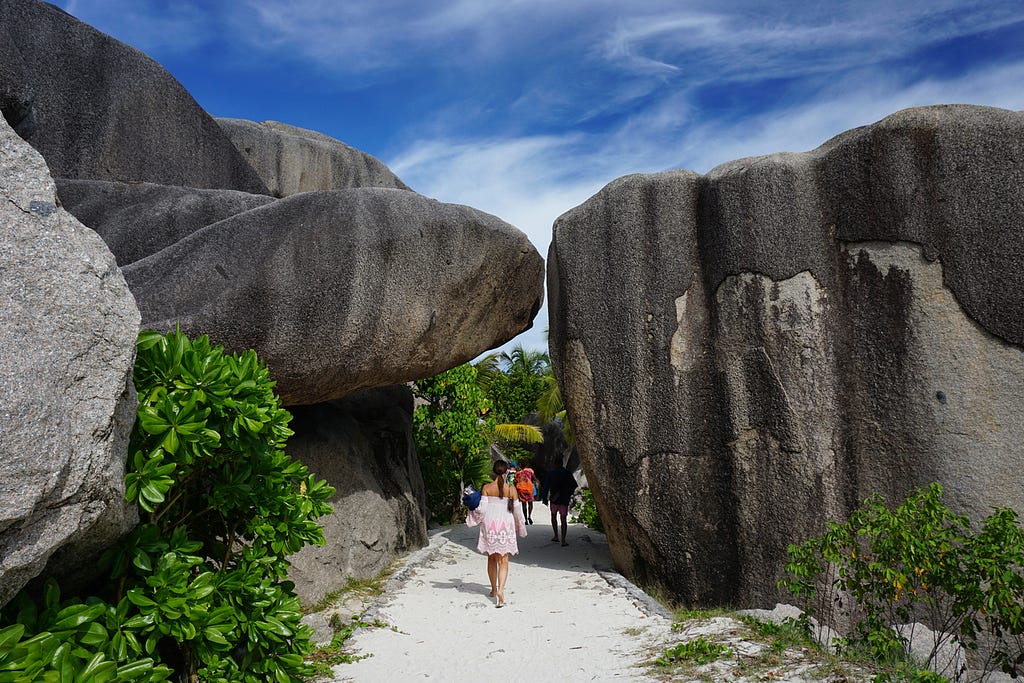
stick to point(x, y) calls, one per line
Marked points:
point(291, 160)
point(345, 290)
point(749, 353)
point(97, 108)
point(68, 326)
point(139, 219)
point(363, 447)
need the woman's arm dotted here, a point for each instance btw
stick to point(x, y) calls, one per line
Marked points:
point(474, 517)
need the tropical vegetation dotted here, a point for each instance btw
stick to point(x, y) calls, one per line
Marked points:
point(198, 590)
point(471, 412)
point(919, 561)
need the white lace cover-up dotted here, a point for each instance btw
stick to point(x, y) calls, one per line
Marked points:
point(498, 526)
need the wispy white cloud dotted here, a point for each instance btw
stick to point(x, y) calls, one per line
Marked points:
point(757, 40)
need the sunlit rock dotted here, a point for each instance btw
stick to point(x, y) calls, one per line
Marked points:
point(749, 353)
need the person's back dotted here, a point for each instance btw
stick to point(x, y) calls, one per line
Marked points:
point(500, 517)
point(560, 484)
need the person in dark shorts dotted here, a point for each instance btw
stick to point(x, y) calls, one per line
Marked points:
point(559, 487)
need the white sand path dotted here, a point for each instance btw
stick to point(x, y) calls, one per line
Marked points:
point(569, 616)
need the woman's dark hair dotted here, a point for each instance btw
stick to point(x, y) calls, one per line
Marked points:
point(500, 468)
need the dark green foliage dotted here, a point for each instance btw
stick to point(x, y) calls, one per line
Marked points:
point(514, 396)
point(449, 430)
point(909, 674)
point(514, 382)
point(697, 651)
point(588, 514)
point(917, 562)
point(455, 428)
point(71, 640)
point(200, 586)
point(790, 633)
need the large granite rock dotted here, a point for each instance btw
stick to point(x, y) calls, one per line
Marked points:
point(68, 326)
point(362, 446)
point(292, 160)
point(97, 108)
point(749, 353)
point(139, 219)
point(344, 290)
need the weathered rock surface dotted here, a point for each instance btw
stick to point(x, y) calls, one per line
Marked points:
point(292, 160)
point(344, 290)
point(749, 353)
point(97, 108)
point(139, 219)
point(363, 447)
point(68, 326)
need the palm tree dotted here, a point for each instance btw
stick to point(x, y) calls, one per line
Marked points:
point(489, 367)
point(551, 406)
point(526, 361)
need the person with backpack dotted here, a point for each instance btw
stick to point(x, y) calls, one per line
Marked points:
point(526, 484)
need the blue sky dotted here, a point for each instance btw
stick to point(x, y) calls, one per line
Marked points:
point(524, 108)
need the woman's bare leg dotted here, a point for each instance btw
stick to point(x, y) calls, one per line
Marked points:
point(492, 572)
point(502, 577)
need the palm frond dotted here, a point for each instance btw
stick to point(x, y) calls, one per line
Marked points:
point(487, 368)
point(550, 403)
point(566, 428)
point(518, 432)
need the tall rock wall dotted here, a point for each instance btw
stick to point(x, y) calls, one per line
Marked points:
point(749, 353)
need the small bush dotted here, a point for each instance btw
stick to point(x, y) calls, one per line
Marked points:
point(916, 562)
point(697, 651)
point(787, 634)
point(588, 514)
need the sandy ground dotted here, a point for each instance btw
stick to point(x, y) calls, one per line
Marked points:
point(569, 616)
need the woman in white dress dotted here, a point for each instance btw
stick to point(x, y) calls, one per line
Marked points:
point(500, 517)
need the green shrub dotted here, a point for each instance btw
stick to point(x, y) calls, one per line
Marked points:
point(71, 641)
point(917, 562)
point(909, 674)
point(199, 588)
point(697, 651)
point(588, 514)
